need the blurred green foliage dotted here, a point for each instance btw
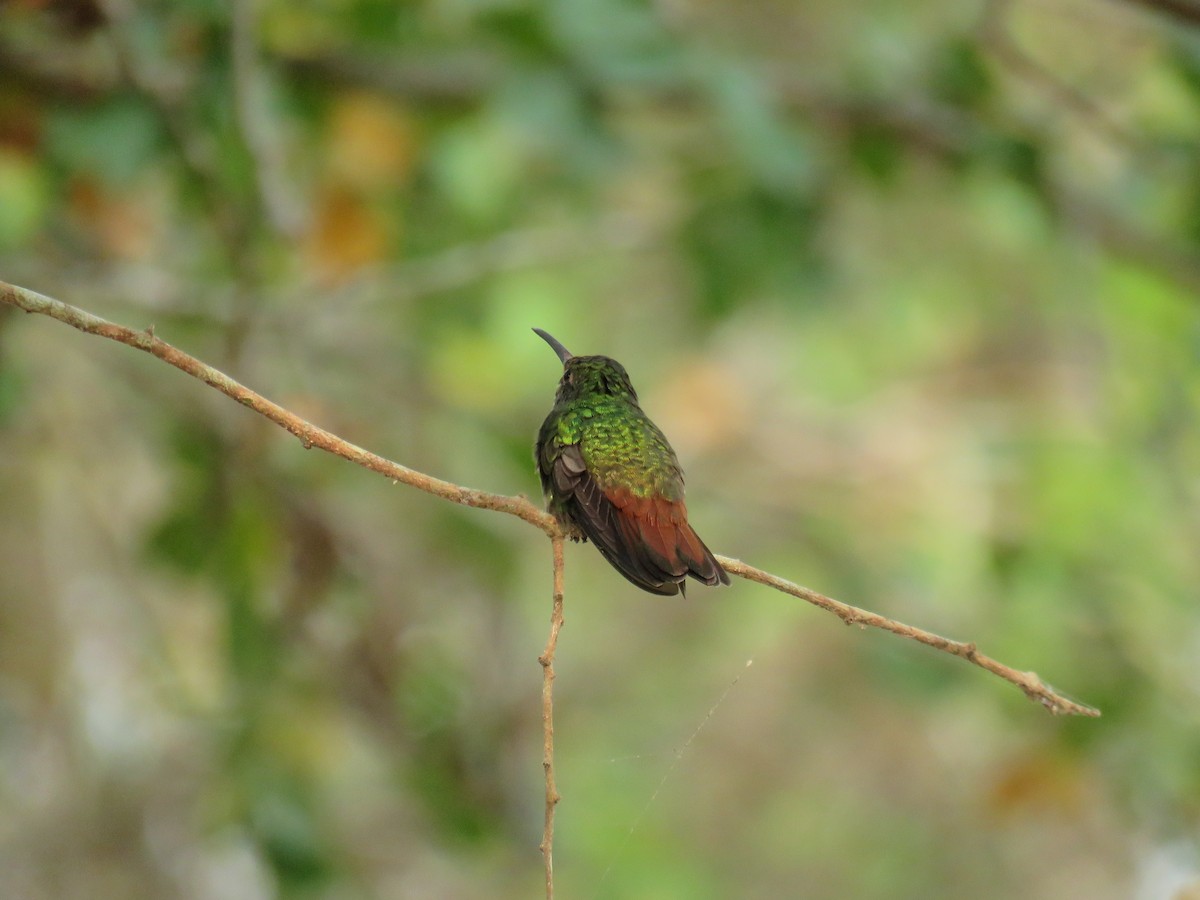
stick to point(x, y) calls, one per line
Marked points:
point(912, 288)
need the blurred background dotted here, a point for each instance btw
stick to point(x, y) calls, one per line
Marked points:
point(912, 287)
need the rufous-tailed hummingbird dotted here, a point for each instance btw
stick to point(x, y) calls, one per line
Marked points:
point(610, 475)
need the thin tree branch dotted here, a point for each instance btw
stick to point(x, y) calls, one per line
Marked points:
point(547, 661)
point(1029, 682)
point(311, 435)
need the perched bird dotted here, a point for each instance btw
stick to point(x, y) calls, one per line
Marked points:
point(611, 476)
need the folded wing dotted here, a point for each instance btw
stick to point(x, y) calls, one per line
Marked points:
point(647, 539)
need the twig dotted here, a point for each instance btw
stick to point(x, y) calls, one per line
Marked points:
point(311, 435)
point(547, 661)
point(1029, 682)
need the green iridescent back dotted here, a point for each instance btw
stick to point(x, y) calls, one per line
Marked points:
point(597, 409)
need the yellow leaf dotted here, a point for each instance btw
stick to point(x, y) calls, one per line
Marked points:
point(371, 143)
point(347, 235)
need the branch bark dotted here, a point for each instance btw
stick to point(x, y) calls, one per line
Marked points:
point(547, 661)
point(311, 435)
point(1029, 682)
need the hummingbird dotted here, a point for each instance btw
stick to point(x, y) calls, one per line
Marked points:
point(611, 476)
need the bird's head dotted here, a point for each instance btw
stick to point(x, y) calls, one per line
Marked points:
point(588, 375)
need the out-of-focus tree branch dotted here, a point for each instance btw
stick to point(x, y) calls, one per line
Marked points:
point(995, 35)
point(930, 128)
point(1182, 10)
point(165, 90)
point(934, 130)
point(281, 205)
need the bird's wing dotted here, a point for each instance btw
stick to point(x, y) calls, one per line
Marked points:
point(647, 539)
point(659, 528)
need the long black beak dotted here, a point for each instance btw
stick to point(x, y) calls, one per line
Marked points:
point(563, 353)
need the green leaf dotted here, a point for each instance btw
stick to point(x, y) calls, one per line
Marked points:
point(1185, 57)
point(959, 76)
point(764, 138)
point(877, 151)
point(115, 140)
point(24, 198)
point(746, 241)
